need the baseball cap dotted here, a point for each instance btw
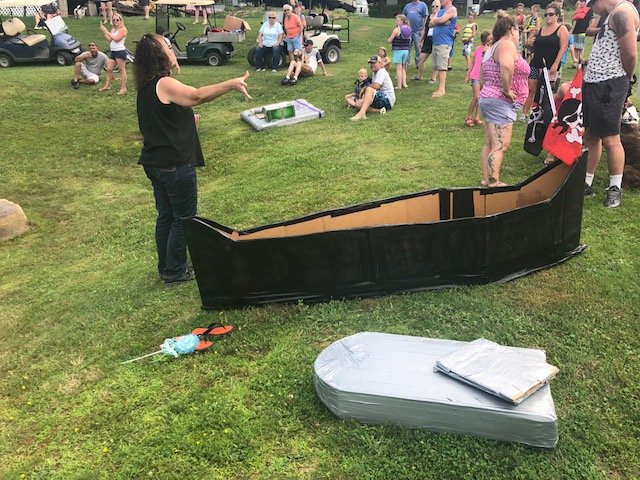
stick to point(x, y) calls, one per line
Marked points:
point(375, 59)
point(308, 41)
point(287, 7)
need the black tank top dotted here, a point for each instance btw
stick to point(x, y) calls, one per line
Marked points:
point(546, 48)
point(169, 132)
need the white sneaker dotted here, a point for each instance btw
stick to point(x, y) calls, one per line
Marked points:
point(274, 71)
point(383, 110)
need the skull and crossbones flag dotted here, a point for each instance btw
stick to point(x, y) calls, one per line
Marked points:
point(542, 111)
point(564, 137)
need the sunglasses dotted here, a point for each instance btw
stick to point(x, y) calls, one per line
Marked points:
point(272, 18)
point(550, 14)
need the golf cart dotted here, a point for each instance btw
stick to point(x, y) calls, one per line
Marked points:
point(327, 36)
point(214, 47)
point(19, 45)
point(348, 5)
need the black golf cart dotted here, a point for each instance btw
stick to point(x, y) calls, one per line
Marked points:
point(214, 47)
point(20, 45)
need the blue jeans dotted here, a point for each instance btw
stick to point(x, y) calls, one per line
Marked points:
point(275, 56)
point(176, 193)
point(415, 43)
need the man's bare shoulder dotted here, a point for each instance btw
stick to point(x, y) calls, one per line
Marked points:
point(624, 19)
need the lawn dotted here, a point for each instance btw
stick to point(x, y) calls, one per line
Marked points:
point(79, 292)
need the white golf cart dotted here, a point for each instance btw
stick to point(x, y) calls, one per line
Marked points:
point(20, 45)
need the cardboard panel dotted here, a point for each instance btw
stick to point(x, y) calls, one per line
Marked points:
point(422, 209)
point(500, 202)
point(479, 203)
point(544, 187)
point(235, 23)
point(315, 225)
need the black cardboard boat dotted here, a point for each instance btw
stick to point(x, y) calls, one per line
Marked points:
point(431, 239)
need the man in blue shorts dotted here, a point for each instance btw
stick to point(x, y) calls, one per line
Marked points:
point(379, 96)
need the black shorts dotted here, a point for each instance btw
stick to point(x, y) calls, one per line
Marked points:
point(427, 45)
point(121, 54)
point(143, 3)
point(602, 105)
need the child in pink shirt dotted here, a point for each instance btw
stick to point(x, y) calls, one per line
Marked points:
point(473, 75)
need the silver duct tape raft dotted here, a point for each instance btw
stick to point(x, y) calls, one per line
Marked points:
point(379, 378)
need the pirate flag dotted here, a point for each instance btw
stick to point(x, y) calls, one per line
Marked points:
point(542, 111)
point(564, 137)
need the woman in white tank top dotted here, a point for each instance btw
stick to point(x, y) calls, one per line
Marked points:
point(117, 37)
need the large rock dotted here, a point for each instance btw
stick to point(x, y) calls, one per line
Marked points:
point(13, 221)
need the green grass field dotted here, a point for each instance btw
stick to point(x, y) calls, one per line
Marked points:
point(79, 292)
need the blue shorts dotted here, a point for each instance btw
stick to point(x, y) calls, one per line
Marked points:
point(380, 100)
point(293, 43)
point(497, 111)
point(475, 82)
point(401, 57)
point(119, 54)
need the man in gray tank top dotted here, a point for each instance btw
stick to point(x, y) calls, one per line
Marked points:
point(605, 89)
point(88, 66)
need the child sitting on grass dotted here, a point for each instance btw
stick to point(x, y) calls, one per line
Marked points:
point(361, 83)
point(473, 75)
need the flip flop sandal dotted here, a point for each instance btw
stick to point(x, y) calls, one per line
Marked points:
point(216, 329)
point(204, 345)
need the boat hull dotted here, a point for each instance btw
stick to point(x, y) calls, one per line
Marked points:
point(265, 265)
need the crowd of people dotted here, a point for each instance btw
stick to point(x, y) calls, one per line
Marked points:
point(503, 71)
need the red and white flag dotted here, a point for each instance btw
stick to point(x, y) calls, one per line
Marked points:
point(563, 139)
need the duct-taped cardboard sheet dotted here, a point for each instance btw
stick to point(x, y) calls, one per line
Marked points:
point(382, 378)
point(509, 373)
point(304, 111)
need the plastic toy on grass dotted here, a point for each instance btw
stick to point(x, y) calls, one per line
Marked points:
point(197, 341)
